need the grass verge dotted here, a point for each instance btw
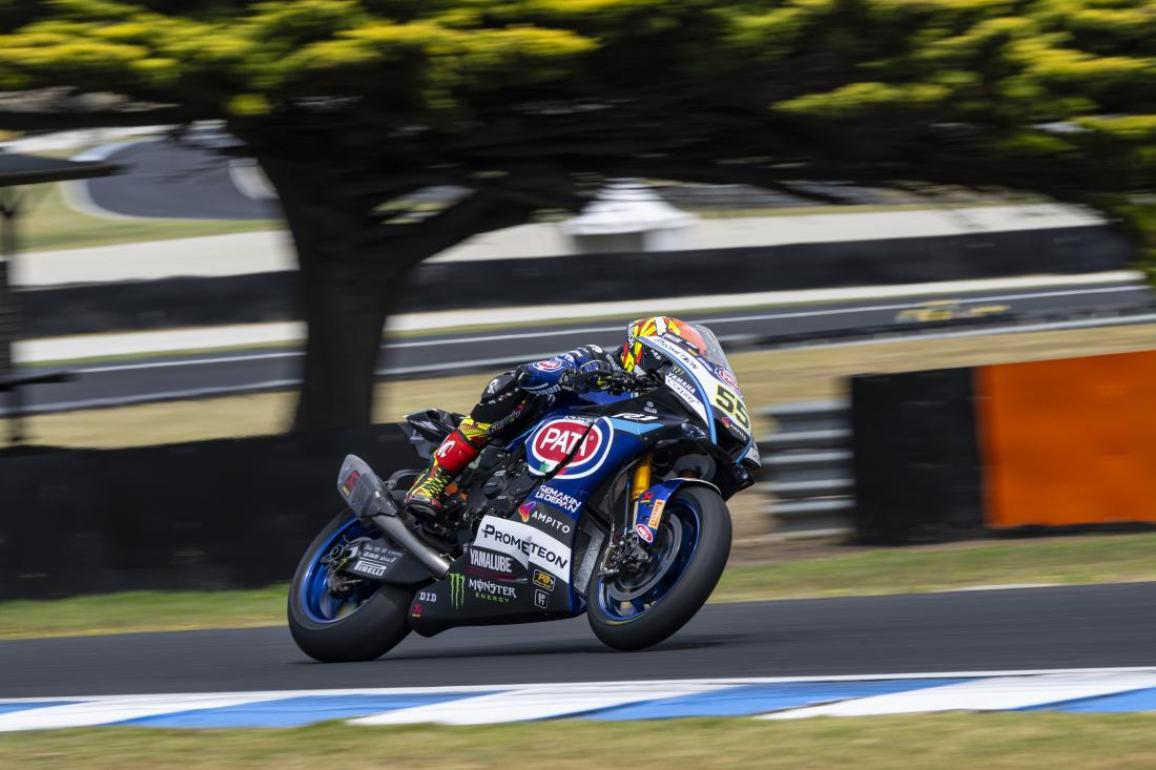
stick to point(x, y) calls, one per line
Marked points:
point(1023, 741)
point(1064, 560)
point(767, 377)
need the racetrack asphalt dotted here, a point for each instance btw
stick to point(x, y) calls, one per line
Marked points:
point(197, 375)
point(1032, 628)
point(169, 180)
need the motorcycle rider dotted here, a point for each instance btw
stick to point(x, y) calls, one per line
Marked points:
point(507, 397)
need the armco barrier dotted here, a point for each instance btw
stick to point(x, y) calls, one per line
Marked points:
point(807, 469)
point(208, 515)
point(590, 278)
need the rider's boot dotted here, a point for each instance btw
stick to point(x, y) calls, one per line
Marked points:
point(426, 496)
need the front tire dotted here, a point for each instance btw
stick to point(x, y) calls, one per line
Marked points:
point(691, 550)
point(362, 625)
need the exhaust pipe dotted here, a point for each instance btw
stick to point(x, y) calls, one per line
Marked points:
point(363, 491)
point(396, 529)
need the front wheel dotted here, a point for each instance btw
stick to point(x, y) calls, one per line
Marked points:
point(690, 551)
point(335, 619)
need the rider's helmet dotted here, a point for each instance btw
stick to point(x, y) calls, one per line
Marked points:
point(635, 356)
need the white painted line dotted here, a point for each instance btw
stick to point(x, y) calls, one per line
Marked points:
point(490, 704)
point(265, 694)
point(1000, 694)
point(635, 308)
point(537, 702)
point(719, 681)
point(175, 340)
point(190, 362)
point(992, 331)
point(107, 711)
point(538, 334)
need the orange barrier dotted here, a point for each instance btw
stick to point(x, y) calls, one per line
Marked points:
point(1069, 442)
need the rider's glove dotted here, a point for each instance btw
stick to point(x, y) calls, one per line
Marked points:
point(592, 375)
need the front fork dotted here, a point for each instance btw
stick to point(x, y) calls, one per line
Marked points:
point(627, 552)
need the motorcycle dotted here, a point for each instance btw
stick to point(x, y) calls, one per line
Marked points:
point(611, 503)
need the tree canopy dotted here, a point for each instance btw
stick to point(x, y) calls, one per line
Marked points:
point(863, 90)
point(529, 104)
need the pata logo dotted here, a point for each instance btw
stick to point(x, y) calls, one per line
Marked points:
point(555, 440)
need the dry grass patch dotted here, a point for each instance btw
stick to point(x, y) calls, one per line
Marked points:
point(768, 377)
point(1010, 741)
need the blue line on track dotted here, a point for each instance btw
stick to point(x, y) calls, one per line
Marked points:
point(1120, 703)
point(9, 708)
point(295, 712)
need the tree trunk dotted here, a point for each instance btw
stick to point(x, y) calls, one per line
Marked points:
point(351, 270)
point(344, 290)
point(345, 309)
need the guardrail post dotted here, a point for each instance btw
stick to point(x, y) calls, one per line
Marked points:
point(807, 461)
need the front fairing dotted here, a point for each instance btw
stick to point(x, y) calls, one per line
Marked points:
point(709, 390)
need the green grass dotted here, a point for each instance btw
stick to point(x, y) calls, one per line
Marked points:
point(1064, 560)
point(1003, 741)
point(143, 611)
point(50, 224)
point(1060, 560)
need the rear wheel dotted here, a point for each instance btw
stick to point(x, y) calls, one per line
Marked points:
point(689, 553)
point(335, 619)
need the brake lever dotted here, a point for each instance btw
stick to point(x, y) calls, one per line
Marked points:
point(623, 383)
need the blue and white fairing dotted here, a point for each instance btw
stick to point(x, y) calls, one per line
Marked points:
point(705, 382)
point(533, 565)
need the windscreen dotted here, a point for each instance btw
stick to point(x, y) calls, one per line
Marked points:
point(712, 351)
point(700, 341)
point(703, 379)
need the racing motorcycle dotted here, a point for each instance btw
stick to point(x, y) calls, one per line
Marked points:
point(611, 503)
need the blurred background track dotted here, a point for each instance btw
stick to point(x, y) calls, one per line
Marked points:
point(146, 378)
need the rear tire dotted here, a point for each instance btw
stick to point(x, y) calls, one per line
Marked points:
point(371, 629)
point(682, 600)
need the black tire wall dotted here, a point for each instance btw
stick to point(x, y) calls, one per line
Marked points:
point(205, 515)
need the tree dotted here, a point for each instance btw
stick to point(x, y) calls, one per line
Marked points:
point(352, 105)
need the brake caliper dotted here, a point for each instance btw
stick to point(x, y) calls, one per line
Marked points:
point(625, 556)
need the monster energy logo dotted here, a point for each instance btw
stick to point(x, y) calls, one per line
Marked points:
point(457, 590)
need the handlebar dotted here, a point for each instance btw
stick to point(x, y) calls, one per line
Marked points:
point(624, 382)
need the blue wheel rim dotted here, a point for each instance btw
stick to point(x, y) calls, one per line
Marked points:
point(674, 547)
point(317, 601)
